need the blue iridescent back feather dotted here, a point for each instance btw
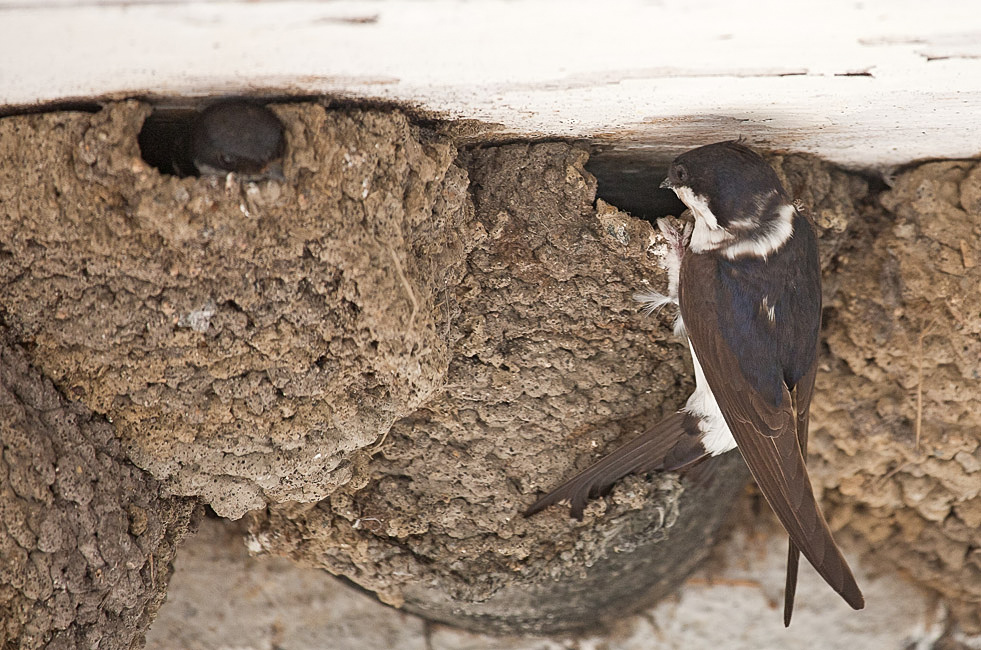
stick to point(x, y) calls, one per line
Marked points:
point(778, 353)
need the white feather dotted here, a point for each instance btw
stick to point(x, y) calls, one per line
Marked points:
point(716, 436)
point(768, 309)
point(708, 234)
point(772, 235)
point(653, 301)
point(670, 260)
point(679, 326)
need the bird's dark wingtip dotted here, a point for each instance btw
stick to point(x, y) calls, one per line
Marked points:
point(577, 504)
point(535, 508)
point(851, 593)
point(790, 589)
point(643, 453)
point(788, 608)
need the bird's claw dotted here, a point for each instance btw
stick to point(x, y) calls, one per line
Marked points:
point(677, 240)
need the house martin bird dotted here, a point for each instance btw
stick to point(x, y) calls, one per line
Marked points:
point(747, 282)
point(238, 136)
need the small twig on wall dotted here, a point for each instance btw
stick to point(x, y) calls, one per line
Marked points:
point(882, 480)
point(408, 288)
point(918, 427)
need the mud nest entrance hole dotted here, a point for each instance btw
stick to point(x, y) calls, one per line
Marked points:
point(631, 181)
point(164, 141)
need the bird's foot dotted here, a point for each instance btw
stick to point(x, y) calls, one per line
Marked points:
point(677, 241)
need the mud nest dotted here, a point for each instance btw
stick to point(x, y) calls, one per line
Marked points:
point(388, 355)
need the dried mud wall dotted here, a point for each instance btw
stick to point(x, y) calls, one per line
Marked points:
point(898, 416)
point(87, 540)
point(551, 362)
point(387, 356)
point(400, 345)
point(244, 341)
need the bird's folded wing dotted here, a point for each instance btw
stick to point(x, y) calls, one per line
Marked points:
point(802, 404)
point(767, 438)
point(644, 453)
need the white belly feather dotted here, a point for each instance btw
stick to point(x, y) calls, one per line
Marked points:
point(716, 437)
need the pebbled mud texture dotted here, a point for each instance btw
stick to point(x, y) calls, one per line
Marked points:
point(832, 198)
point(389, 355)
point(551, 363)
point(87, 540)
point(897, 420)
point(455, 333)
point(246, 340)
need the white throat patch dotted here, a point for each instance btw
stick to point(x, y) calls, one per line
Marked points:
point(767, 238)
point(708, 234)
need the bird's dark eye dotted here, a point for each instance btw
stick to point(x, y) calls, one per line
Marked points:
point(682, 174)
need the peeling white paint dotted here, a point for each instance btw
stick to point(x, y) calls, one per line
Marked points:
point(864, 84)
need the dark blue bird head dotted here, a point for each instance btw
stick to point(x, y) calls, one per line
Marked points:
point(238, 136)
point(734, 181)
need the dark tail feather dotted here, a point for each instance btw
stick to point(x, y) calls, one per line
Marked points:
point(802, 404)
point(701, 471)
point(790, 590)
point(778, 466)
point(644, 453)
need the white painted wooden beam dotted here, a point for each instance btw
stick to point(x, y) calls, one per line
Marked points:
point(866, 84)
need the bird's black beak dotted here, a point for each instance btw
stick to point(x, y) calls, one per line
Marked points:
point(666, 184)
